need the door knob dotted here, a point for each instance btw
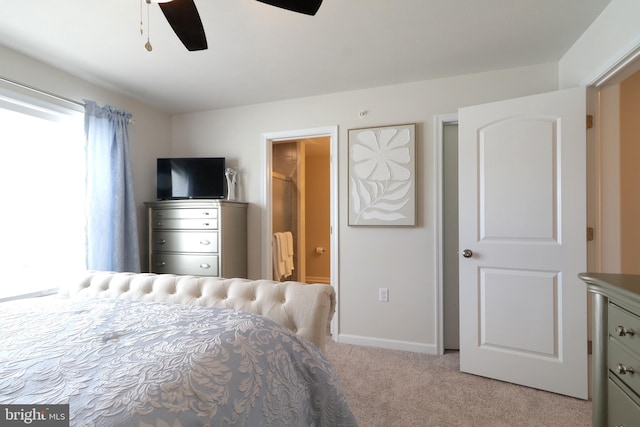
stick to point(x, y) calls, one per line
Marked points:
point(467, 253)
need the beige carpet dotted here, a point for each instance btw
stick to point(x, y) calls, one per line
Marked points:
point(389, 388)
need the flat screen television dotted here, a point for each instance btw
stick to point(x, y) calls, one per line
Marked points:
point(191, 178)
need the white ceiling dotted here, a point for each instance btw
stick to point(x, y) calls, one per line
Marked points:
point(259, 53)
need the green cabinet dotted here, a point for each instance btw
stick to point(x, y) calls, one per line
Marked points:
point(616, 348)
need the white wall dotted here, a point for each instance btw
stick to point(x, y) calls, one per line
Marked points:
point(401, 259)
point(609, 38)
point(149, 136)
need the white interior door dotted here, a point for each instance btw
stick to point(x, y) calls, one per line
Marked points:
point(522, 218)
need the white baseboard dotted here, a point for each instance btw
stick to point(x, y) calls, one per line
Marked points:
point(388, 344)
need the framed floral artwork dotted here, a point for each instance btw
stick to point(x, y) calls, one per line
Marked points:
point(382, 176)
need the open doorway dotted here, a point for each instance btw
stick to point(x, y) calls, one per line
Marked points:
point(450, 260)
point(446, 129)
point(301, 201)
point(614, 155)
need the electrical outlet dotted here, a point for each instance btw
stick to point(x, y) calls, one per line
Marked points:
point(383, 294)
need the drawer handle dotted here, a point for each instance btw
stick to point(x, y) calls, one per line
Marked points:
point(205, 213)
point(622, 331)
point(161, 263)
point(205, 265)
point(206, 224)
point(161, 241)
point(159, 224)
point(205, 242)
point(622, 370)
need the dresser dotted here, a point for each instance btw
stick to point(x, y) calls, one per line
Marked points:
point(198, 237)
point(616, 348)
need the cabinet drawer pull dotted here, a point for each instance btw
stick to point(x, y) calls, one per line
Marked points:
point(206, 224)
point(205, 242)
point(161, 241)
point(161, 263)
point(205, 213)
point(622, 370)
point(205, 265)
point(159, 224)
point(622, 331)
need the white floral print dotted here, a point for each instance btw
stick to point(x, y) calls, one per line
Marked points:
point(381, 181)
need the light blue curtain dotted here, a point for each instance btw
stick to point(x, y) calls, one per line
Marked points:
point(112, 230)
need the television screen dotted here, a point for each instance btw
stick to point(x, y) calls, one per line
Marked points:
point(191, 178)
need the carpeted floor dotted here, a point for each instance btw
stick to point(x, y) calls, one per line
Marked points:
point(389, 388)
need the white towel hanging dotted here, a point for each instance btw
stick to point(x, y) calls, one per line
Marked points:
point(278, 261)
point(288, 260)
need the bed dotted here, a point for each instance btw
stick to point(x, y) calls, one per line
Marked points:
point(126, 349)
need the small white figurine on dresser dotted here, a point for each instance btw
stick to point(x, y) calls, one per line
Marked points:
point(232, 180)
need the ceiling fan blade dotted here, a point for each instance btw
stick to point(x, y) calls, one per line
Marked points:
point(308, 7)
point(184, 18)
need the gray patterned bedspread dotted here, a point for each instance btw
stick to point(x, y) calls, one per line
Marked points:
point(131, 363)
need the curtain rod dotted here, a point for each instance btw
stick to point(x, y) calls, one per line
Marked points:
point(52, 95)
point(40, 91)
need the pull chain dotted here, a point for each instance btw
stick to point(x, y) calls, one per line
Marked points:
point(147, 45)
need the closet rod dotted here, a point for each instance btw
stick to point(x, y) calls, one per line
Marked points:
point(40, 91)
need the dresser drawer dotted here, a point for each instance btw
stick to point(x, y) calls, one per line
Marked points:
point(185, 241)
point(184, 213)
point(185, 224)
point(621, 358)
point(622, 410)
point(620, 323)
point(198, 265)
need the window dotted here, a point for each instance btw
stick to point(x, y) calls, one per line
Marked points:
point(42, 188)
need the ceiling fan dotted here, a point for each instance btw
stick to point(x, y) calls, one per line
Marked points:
point(184, 18)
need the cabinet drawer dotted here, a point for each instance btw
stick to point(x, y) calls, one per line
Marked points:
point(185, 241)
point(622, 410)
point(184, 213)
point(185, 224)
point(620, 318)
point(620, 356)
point(198, 265)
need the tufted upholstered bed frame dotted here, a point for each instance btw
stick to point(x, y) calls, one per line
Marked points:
point(305, 309)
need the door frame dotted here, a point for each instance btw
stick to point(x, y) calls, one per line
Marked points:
point(268, 139)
